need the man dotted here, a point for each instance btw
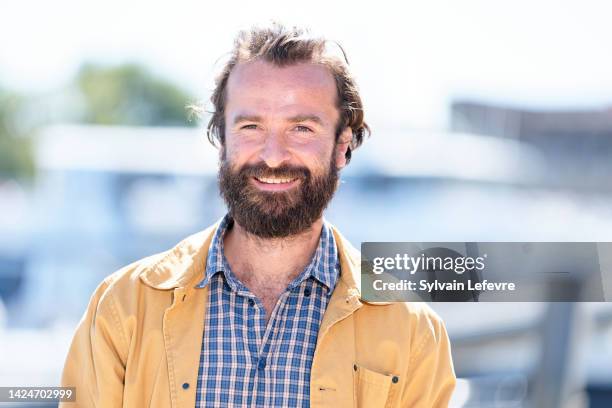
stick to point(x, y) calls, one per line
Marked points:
point(263, 308)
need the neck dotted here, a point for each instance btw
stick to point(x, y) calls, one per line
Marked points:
point(259, 261)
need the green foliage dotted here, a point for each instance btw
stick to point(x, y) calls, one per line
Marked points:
point(130, 95)
point(122, 95)
point(15, 147)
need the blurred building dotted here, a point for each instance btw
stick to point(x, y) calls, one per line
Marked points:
point(105, 197)
point(576, 146)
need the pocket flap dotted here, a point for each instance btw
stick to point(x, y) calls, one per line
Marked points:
point(371, 387)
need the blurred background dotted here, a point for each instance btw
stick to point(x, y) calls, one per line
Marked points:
point(492, 121)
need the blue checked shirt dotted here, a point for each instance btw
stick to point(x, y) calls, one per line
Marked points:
point(245, 362)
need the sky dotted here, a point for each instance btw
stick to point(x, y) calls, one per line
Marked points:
point(411, 59)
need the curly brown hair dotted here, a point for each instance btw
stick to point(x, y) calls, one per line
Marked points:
point(284, 46)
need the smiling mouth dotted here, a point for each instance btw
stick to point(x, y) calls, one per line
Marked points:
point(275, 183)
point(275, 180)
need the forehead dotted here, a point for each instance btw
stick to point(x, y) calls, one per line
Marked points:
point(263, 85)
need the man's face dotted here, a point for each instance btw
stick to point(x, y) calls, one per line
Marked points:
point(280, 161)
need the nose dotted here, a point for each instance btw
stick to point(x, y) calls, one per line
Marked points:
point(274, 152)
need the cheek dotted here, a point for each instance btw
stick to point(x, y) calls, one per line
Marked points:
point(315, 156)
point(239, 150)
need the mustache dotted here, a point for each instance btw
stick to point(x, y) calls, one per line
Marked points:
point(284, 171)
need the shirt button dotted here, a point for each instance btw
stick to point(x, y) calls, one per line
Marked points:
point(262, 364)
point(251, 302)
point(307, 292)
point(185, 386)
point(395, 379)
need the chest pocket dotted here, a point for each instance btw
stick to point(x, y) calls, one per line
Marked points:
point(373, 389)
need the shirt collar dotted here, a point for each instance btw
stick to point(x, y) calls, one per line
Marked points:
point(324, 265)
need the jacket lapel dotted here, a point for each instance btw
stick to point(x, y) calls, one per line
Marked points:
point(332, 367)
point(183, 328)
point(346, 297)
point(178, 272)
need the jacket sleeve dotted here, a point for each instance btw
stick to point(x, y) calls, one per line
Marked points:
point(431, 376)
point(95, 364)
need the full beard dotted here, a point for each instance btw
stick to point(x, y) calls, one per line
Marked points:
point(276, 214)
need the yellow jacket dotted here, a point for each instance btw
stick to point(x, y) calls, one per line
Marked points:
point(138, 344)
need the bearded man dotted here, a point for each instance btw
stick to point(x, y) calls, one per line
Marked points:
point(263, 308)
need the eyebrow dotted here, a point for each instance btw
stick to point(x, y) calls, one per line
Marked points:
point(306, 118)
point(247, 118)
point(293, 119)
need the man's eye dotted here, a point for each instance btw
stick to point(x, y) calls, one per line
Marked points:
point(301, 128)
point(249, 127)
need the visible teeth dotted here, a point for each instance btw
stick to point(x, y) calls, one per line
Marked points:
point(269, 180)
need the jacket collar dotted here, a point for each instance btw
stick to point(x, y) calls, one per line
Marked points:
point(185, 264)
point(181, 265)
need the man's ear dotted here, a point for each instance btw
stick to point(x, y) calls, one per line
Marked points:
point(342, 146)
